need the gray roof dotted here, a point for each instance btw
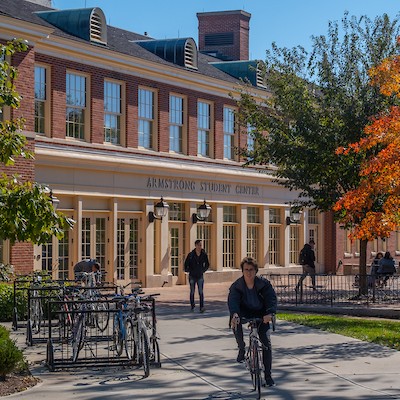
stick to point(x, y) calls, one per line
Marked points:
point(119, 40)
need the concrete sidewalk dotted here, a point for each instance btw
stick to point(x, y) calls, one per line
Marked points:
point(198, 362)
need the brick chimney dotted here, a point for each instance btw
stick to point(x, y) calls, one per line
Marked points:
point(225, 34)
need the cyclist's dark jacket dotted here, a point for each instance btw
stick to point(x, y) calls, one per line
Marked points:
point(196, 265)
point(238, 302)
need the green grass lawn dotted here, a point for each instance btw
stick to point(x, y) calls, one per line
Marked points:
point(381, 331)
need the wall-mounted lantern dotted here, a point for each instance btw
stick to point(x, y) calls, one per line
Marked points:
point(160, 211)
point(202, 214)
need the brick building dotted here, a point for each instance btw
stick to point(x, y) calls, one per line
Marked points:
point(119, 120)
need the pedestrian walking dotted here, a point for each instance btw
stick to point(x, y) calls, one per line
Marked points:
point(196, 264)
point(307, 260)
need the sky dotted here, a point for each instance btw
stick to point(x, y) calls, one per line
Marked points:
point(289, 23)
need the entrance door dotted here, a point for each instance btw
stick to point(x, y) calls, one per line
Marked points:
point(55, 257)
point(177, 255)
point(128, 250)
point(94, 240)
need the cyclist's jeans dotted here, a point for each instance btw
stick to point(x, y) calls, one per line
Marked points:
point(263, 334)
point(200, 286)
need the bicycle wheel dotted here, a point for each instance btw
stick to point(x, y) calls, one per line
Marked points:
point(255, 370)
point(144, 352)
point(154, 351)
point(130, 344)
point(77, 339)
point(36, 315)
point(118, 336)
point(101, 314)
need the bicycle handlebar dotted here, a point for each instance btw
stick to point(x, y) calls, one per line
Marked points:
point(257, 321)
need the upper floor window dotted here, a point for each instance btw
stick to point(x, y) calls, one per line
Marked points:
point(176, 111)
point(229, 133)
point(146, 118)
point(250, 138)
point(203, 129)
point(76, 105)
point(41, 102)
point(313, 216)
point(112, 112)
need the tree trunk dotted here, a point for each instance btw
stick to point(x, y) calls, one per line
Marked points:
point(363, 287)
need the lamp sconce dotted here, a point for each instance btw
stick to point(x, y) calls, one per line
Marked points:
point(160, 211)
point(202, 214)
point(294, 217)
point(54, 200)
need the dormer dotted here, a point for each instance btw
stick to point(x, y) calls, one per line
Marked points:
point(86, 23)
point(182, 51)
point(250, 71)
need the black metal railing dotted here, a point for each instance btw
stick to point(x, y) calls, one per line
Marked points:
point(336, 290)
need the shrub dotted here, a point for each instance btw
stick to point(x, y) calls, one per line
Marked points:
point(11, 358)
point(7, 302)
point(4, 333)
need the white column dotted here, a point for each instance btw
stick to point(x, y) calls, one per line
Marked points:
point(112, 251)
point(264, 238)
point(193, 227)
point(242, 233)
point(148, 245)
point(78, 228)
point(164, 245)
point(286, 238)
point(218, 214)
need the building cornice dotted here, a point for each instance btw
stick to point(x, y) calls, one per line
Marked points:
point(144, 163)
point(11, 28)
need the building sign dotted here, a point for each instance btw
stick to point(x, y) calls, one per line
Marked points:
point(202, 186)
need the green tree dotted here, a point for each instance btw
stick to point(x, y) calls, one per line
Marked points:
point(26, 208)
point(320, 101)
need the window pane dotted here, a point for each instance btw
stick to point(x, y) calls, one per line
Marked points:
point(146, 118)
point(203, 129)
point(229, 131)
point(40, 99)
point(112, 112)
point(76, 105)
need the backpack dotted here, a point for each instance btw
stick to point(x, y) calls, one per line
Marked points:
point(302, 257)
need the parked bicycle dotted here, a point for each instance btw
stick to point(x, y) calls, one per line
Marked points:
point(123, 336)
point(98, 303)
point(35, 305)
point(79, 331)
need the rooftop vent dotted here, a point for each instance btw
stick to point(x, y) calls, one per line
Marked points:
point(181, 52)
point(85, 23)
point(250, 71)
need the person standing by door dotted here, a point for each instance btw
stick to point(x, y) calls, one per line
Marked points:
point(196, 264)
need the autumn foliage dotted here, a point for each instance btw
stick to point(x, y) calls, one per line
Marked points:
point(373, 209)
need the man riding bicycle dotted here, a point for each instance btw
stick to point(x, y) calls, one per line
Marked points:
point(252, 297)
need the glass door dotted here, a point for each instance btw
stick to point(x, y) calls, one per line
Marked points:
point(177, 256)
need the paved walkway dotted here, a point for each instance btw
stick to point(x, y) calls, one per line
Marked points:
point(198, 353)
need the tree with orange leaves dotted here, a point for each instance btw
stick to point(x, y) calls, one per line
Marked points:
point(373, 209)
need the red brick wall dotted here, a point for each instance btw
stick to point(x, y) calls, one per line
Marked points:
point(22, 258)
point(97, 76)
point(329, 243)
point(25, 62)
point(220, 22)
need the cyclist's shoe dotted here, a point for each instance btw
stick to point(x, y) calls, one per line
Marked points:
point(202, 309)
point(240, 357)
point(192, 308)
point(269, 381)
